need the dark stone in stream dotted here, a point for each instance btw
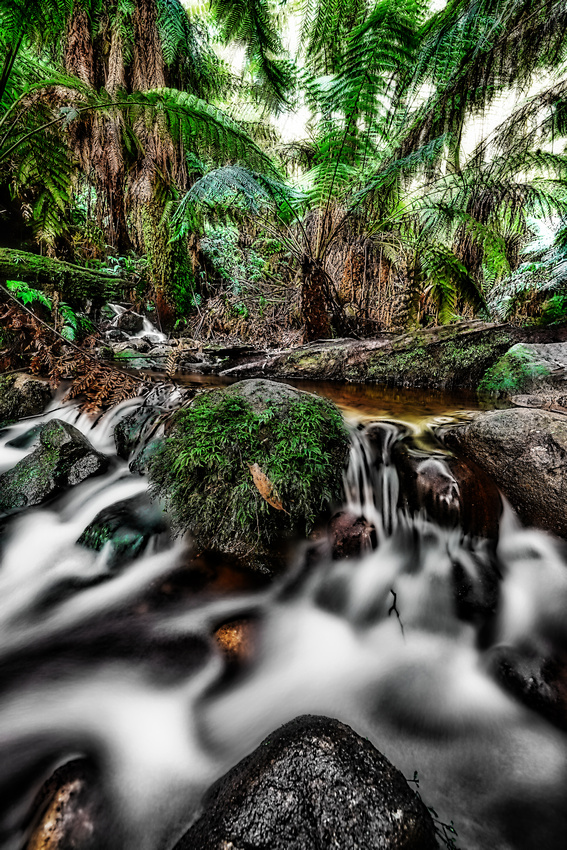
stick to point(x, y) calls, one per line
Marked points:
point(130, 322)
point(129, 431)
point(140, 464)
point(126, 527)
point(71, 812)
point(132, 431)
point(312, 784)
point(21, 396)
point(351, 535)
point(27, 439)
point(525, 452)
point(450, 491)
point(63, 458)
point(116, 335)
point(539, 683)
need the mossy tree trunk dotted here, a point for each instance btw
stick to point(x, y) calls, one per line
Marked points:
point(73, 283)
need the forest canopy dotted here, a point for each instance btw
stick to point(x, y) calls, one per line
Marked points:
point(424, 183)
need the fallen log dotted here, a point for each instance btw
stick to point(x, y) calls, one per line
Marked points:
point(72, 283)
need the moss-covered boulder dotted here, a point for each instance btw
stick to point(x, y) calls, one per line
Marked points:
point(247, 466)
point(63, 458)
point(525, 369)
point(20, 396)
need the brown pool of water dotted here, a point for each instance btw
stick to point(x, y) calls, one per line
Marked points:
point(366, 402)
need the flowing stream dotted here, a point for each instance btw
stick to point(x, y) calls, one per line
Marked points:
point(117, 663)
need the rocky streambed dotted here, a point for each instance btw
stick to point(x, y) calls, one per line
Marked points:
point(197, 691)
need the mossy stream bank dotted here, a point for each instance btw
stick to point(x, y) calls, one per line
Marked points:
point(448, 358)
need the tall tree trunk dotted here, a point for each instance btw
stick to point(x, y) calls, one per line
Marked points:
point(148, 66)
point(314, 301)
point(98, 141)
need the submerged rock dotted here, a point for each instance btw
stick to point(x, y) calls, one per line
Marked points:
point(314, 783)
point(350, 535)
point(70, 812)
point(525, 452)
point(126, 528)
point(450, 491)
point(63, 458)
point(248, 466)
point(20, 396)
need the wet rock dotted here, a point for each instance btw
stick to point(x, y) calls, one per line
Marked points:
point(27, 439)
point(160, 351)
point(132, 430)
point(116, 335)
point(450, 491)
point(125, 528)
point(236, 640)
point(130, 322)
point(71, 812)
point(261, 463)
point(141, 462)
point(20, 396)
point(537, 682)
point(314, 783)
point(351, 536)
point(525, 453)
point(128, 433)
point(63, 458)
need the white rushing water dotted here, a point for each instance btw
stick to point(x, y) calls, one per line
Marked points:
point(91, 666)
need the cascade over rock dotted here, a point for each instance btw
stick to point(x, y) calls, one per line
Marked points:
point(313, 783)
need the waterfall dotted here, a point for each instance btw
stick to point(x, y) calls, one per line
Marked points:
point(119, 666)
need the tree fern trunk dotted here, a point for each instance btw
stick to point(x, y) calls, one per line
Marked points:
point(314, 302)
point(148, 66)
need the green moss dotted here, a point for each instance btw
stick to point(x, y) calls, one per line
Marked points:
point(456, 362)
point(203, 469)
point(515, 373)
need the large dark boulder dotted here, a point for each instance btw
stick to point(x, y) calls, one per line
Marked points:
point(63, 458)
point(525, 452)
point(129, 322)
point(246, 467)
point(313, 784)
point(20, 396)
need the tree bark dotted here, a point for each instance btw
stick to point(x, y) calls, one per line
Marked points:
point(73, 283)
point(314, 302)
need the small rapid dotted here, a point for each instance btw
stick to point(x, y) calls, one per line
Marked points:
point(117, 664)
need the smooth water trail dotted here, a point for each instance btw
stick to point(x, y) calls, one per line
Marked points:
point(98, 662)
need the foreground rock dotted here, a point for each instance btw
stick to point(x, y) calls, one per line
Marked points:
point(248, 466)
point(63, 458)
point(314, 783)
point(70, 812)
point(525, 452)
point(20, 396)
